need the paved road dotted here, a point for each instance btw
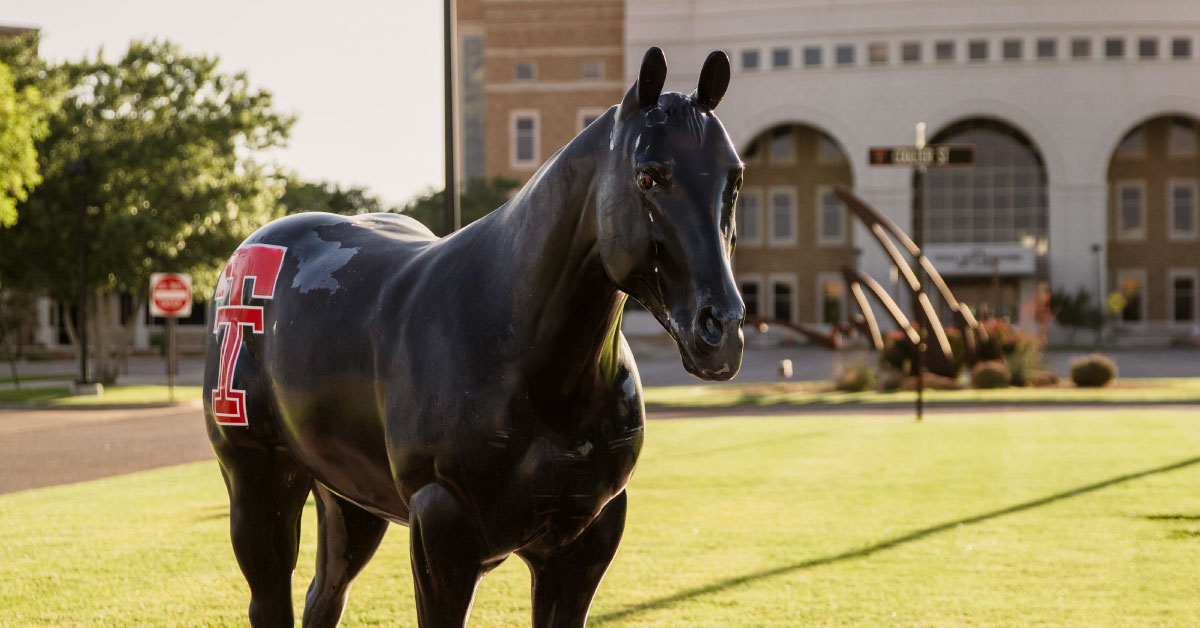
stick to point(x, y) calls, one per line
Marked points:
point(48, 447)
point(659, 364)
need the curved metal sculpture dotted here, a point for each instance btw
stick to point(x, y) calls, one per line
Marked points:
point(476, 388)
point(861, 287)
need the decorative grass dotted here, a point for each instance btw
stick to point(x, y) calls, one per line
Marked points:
point(1049, 518)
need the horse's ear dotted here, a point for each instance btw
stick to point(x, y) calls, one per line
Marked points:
point(646, 90)
point(714, 80)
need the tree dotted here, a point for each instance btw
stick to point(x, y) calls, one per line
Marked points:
point(174, 183)
point(1075, 311)
point(23, 121)
point(305, 196)
point(478, 198)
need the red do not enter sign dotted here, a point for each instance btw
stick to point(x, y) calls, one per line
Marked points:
point(170, 295)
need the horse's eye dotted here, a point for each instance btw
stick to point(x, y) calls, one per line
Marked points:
point(645, 181)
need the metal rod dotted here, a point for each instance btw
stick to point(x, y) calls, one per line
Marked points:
point(453, 215)
point(171, 365)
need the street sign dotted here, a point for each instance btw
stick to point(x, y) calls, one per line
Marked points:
point(170, 295)
point(930, 155)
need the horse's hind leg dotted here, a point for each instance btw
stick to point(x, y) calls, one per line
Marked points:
point(347, 538)
point(267, 491)
point(566, 578)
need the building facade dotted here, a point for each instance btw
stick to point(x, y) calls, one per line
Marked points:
point(1083, 114)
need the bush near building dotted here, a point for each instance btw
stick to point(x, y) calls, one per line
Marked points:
point(991, 374)
point(1093, 371)
point(854, 377)
point(1001, 341)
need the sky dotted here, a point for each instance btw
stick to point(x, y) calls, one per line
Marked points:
point(364, 77)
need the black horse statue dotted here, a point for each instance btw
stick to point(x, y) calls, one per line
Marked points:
point(477, 387)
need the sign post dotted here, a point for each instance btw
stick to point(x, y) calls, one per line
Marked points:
point(171, 298)
point(919, 157)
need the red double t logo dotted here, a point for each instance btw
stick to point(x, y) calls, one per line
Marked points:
point(259, 263)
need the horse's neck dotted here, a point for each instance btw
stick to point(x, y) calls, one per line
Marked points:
point(573, 308)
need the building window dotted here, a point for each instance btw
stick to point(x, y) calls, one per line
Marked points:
point(1181, 48)
point(781, 297)
point(753, 153)
point(1148, 48)
point(781, 58)
point(1183, 296)
point(831, 216)
point(1132, 284)
point(585, 117)
point(943, 51)
point(525, 71)
point(750, 218)
point(751, 296)
point(812, 57)
point(1131, 211)
point(750, 60)
point(1081, 48)
point(524, 139)
point(592, 69)
point(831, 290)
point(1133, 145)
point(1047, 49)
point(910, 52)
point(1181, 139)
point(844, 54)
point(1183, 210)
point(1011, 49)
point(1002, 199)
point(877, 53)
point(783, 216)
point(1114, 48)
point(828, 152)
point(977, 50)
point(783, 146)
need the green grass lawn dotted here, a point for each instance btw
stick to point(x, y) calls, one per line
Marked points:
point(1064, 518)
point(1151, 390)
point(55, 396)
point(8, 379)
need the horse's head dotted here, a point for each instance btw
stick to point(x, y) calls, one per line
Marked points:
point(665, 201)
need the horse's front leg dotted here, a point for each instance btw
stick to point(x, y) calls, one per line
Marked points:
point(447, 559)
point(565, 578)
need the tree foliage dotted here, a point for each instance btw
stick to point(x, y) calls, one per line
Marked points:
point(477, 199)
point(306, 196)
point(24, 110)
point(174, 181)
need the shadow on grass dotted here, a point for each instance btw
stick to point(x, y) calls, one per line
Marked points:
point(1172, 517)
point(884, 545)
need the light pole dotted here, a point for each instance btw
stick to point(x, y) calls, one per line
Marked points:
point(1097, 250)
point(452, 214)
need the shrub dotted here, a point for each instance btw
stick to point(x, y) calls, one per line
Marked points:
point(1093, 371)
point(854, 377)
point(932, 382)
point(1041, 379)
point(991, 374)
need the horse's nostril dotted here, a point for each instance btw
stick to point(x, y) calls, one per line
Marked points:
point(709, 329)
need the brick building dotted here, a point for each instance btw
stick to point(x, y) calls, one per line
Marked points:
point(1084, 116)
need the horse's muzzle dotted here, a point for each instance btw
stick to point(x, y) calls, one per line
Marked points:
point(716, 344)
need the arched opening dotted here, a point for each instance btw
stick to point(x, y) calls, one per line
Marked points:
point(986, 227)
point(793, 234)
point(1153, 259)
